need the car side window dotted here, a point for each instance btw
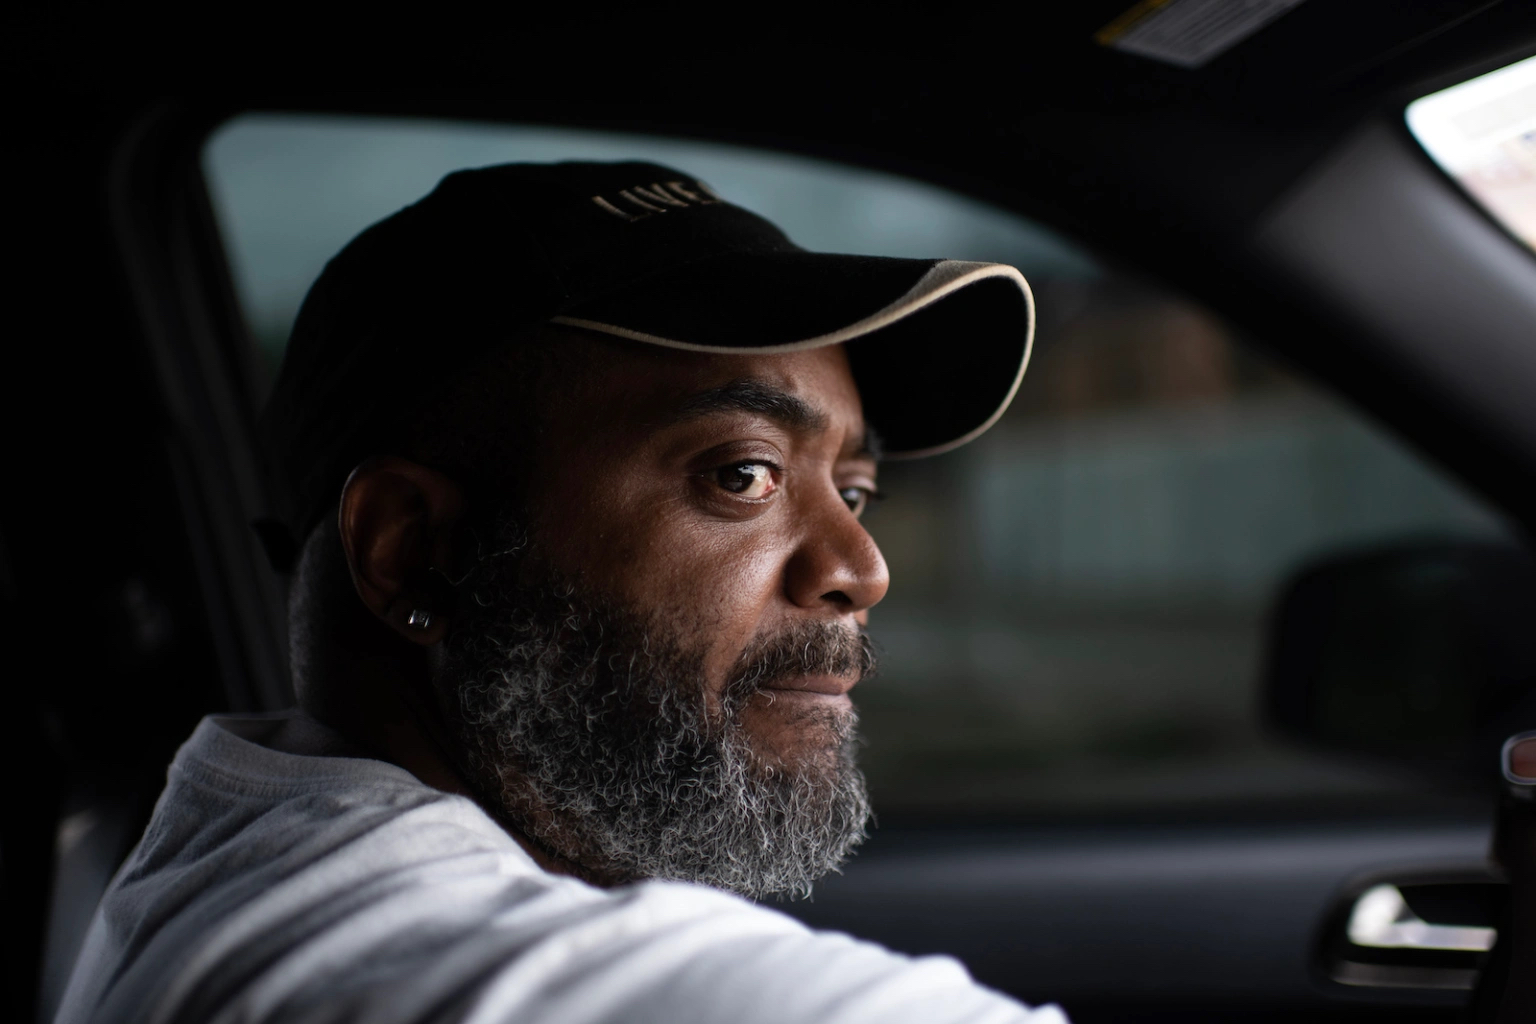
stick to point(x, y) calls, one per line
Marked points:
point(1083, 592)
point(1076, 620)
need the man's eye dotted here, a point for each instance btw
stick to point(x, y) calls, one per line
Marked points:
point(747, 479)
point(857, 498)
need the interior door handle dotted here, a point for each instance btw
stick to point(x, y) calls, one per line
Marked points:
point(1429, 928)
point(1382, 919)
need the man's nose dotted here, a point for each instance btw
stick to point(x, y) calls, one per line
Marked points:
point(836, 565)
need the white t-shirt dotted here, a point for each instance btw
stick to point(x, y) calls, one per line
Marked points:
point(274, 886)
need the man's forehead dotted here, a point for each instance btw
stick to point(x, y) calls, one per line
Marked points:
point(810, 390)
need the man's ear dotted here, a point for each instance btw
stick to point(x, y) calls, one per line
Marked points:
point(397, 520)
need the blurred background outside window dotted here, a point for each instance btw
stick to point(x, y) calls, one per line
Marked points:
point(1076, 619)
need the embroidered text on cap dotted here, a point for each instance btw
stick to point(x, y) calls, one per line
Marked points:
point(639, 201)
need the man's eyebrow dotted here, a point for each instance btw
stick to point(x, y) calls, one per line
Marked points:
point(754, 396)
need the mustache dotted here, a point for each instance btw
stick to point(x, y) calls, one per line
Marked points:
point(805, 649)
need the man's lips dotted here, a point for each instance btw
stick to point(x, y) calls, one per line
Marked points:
point(831, 686)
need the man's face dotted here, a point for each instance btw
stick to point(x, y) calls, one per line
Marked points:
point(724, 493)
point(667, 657)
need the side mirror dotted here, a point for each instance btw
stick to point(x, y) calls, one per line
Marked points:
point(1422, 654)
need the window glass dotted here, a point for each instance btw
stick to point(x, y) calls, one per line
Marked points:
point(1078, 598)
point(1483, 133)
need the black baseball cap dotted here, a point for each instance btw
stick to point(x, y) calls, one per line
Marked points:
point(634, 250)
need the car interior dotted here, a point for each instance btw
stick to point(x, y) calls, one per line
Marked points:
point(1195, 669)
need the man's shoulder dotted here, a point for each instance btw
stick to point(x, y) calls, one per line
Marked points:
point(239, 808)
point(249, 845)
point(275, 888)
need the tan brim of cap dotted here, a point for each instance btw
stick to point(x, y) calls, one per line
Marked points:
point(942, 280)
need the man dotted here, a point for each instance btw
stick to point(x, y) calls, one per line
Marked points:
point(570, 462)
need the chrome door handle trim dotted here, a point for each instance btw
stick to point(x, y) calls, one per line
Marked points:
point(1382, 919)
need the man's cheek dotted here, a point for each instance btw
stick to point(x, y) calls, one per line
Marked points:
point(730, 590)
point(714, 570)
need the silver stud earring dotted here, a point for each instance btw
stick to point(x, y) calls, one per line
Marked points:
point(419, 619)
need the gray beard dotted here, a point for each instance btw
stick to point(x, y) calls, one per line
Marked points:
point(588, 725)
